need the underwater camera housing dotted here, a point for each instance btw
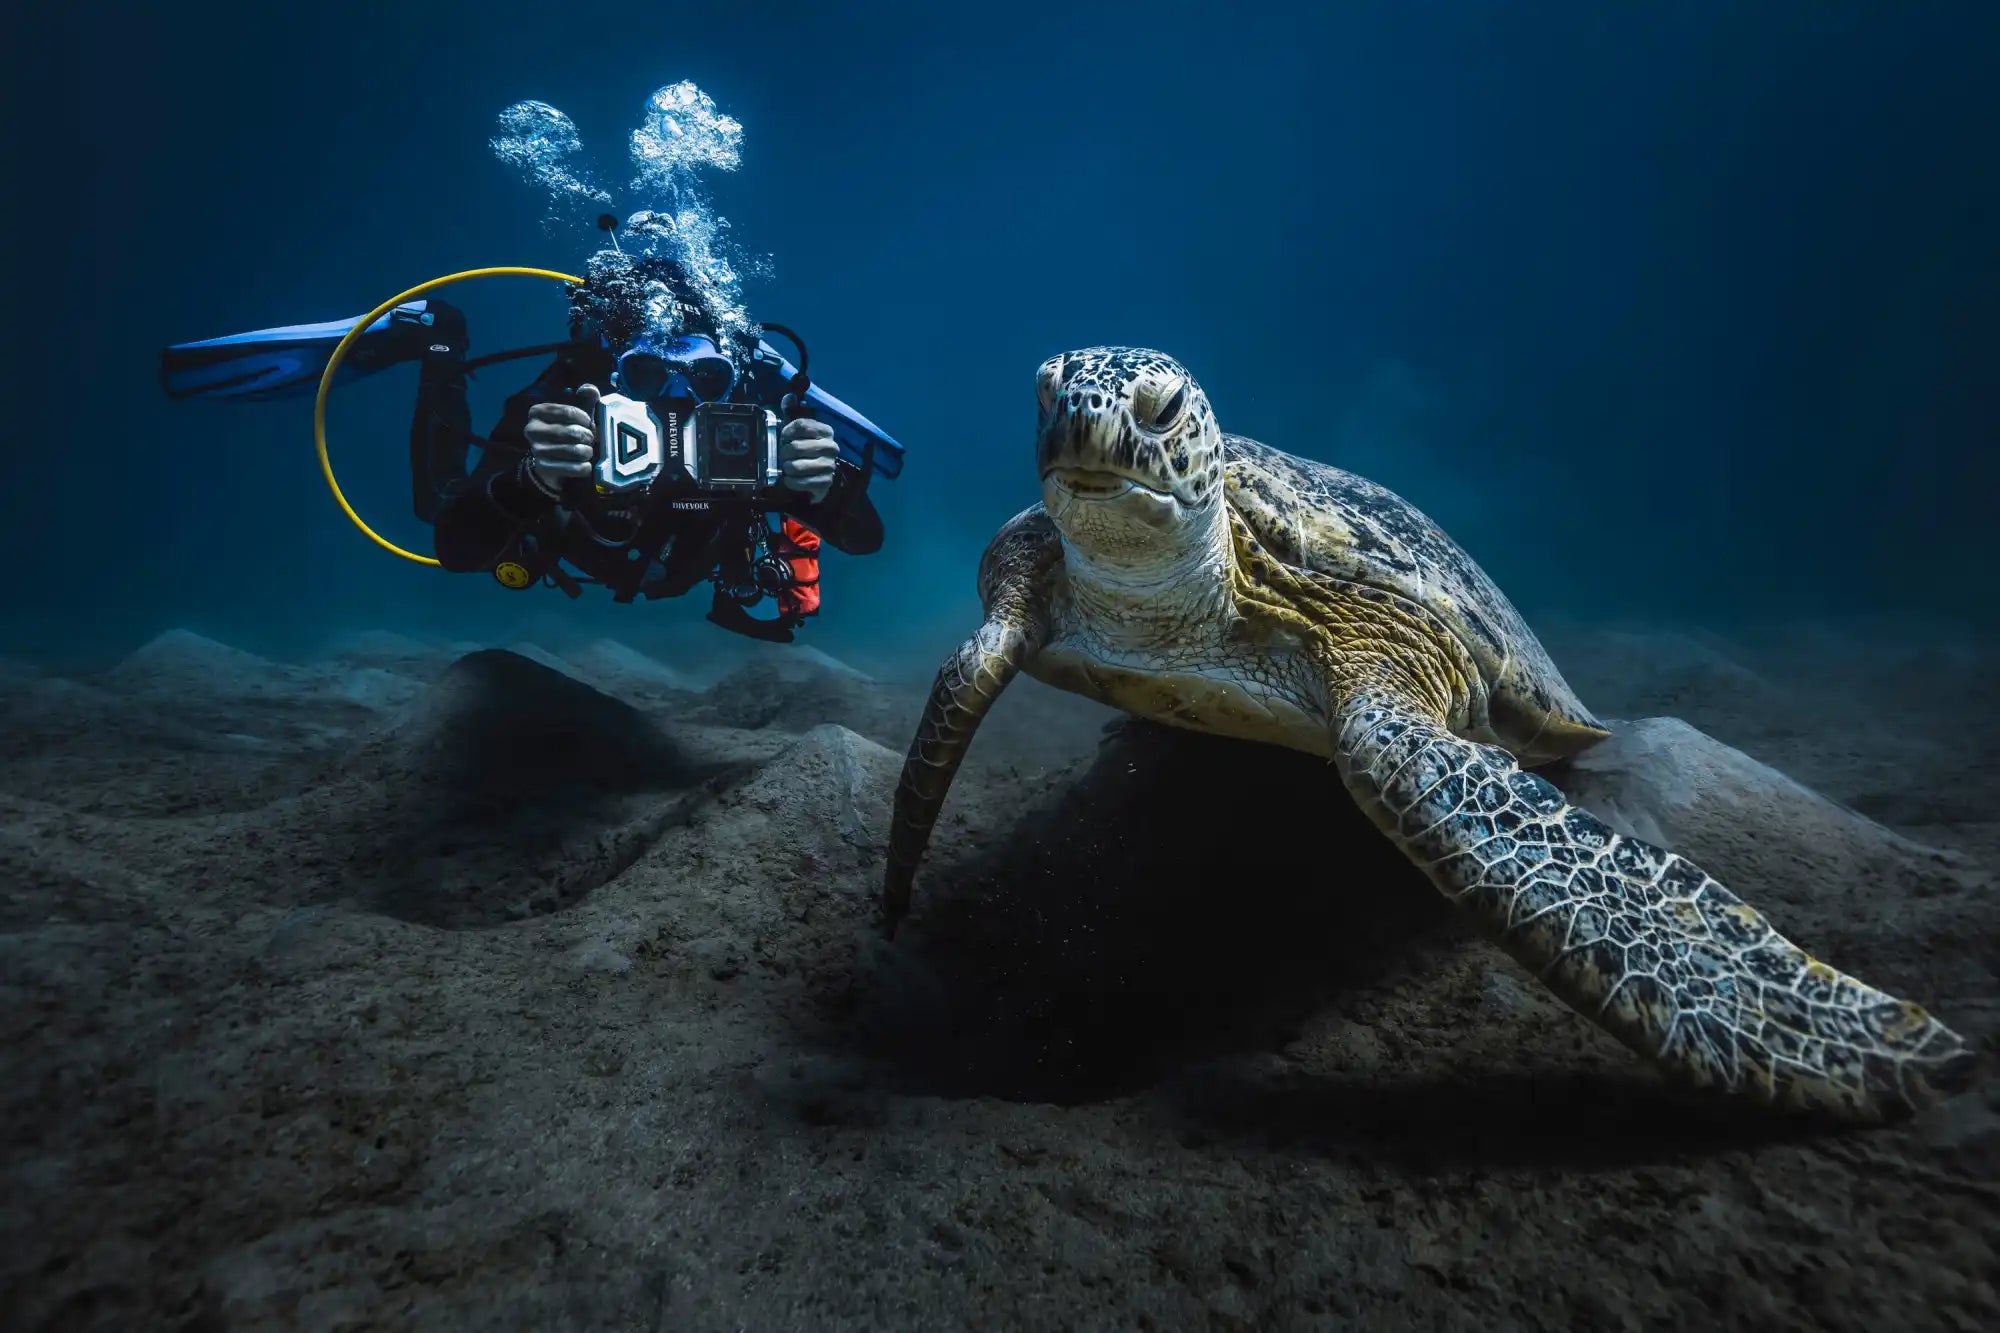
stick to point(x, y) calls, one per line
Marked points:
point(723, 450)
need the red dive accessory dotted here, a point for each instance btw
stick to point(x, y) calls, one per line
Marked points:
point(799, 549)
point(781, 563)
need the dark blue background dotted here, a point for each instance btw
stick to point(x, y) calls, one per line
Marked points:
point(1665, 311)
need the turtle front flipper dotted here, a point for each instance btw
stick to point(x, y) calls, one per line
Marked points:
point(1636, 938)
point(1014, 585)
point(967, 685)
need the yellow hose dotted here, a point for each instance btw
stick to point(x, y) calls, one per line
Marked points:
point(340, 352)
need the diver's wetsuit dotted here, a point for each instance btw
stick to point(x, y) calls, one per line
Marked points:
point(495, 513)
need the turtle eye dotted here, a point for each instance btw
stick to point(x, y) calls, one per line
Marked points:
point(1049, 381)
point(1170, 411)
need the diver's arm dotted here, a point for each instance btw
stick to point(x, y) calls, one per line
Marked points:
point(846, 518)
point(441, 427)
point(829, 494)
point(498, 513)
point(501, 511)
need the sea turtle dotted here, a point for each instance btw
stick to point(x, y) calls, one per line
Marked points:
point(1210, 582)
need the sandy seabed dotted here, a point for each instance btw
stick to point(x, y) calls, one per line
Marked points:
point(435, 986)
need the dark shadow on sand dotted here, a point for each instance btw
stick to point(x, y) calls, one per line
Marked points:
point(510, 789)
point(1182, 897)
point(1152, 918)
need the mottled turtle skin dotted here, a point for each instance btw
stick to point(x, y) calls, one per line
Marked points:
point(1211, 582)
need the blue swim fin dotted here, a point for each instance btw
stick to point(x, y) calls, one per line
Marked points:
point(288, 362)
point(858, 437)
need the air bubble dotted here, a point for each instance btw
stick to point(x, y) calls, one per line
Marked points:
point(682, 134)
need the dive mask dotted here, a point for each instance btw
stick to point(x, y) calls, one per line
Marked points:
point(683, 366)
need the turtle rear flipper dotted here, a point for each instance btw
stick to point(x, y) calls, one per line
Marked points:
point(1638, 939)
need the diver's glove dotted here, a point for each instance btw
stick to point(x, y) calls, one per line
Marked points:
point(562, 441)
point(807, 456)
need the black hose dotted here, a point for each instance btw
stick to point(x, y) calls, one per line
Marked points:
point(494, 358)
point(797, 342)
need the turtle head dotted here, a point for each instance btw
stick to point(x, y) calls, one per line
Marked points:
point(1130, 457)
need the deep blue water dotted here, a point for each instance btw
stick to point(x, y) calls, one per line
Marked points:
point(1664, 311)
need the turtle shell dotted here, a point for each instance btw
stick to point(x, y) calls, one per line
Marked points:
point(1325, 521)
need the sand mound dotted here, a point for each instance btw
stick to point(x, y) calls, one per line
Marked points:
point(623, 670)
point(184, 663)
point(707, 658)
point(185, 725)
point(377, 689)
point(387, 651)
point(219, 689)
point(804, 659)
point(797, 696)
point(1843, 715)
point(1667, 782)
point(833, 786)
point(506, 789)
point(497, 721)
point(1632, 673)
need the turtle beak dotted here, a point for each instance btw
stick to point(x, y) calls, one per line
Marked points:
point(1097, 483)
point(1077, 451)
point(1090, 499)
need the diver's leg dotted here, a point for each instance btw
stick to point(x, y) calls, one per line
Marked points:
point(441, 427)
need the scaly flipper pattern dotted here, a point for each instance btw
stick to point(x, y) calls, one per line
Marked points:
point(1014, 586)
point(1636, 938)
point(966, 687)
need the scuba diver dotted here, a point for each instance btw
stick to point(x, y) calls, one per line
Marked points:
point(653, 452)
point(528, 508)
